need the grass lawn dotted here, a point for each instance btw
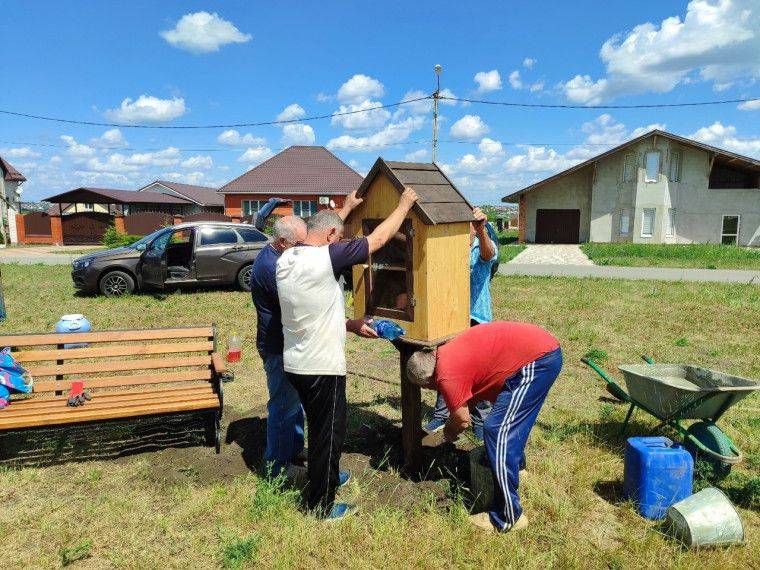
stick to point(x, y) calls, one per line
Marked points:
point(702, 256)
point(189, 508)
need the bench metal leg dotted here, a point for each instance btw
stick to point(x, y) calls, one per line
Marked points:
point(218, 431)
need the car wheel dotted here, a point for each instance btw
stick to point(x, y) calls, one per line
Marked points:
point(244, 278)
point(116, 284)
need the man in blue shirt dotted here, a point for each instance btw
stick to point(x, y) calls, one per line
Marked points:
point(285, 422)
point(483, 254)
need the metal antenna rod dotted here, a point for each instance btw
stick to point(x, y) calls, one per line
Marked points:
point(436, 96)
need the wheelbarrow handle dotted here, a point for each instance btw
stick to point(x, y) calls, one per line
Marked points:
point(734, 459)
point(612, 386)
point(646, 359)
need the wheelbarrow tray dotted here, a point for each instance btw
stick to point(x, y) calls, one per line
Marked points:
point(684, 392)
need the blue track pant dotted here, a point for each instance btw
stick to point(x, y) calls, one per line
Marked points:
point(285, 421)
point(506, 432)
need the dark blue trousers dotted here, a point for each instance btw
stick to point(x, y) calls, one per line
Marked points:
point(506, 432)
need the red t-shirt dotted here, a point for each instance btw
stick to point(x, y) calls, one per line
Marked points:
point(474, 365)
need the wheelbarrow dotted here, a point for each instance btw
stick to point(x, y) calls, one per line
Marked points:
point(673, 393)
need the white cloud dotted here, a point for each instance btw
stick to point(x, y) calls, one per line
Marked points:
point(417, 155)
point(291, 113)
point(359, 88)
point(514, 80)
point(469, 127)
point(370, 119)
point(76, 149)
point(538, 159)
point(167, 157)
point(20, 152)
point(422, 107)
point(390, 134)
point(255, 155)
point(188, 178)
point(234, 138)
point(128, 164)
point(490, 146)
point(147, 109)
point(488, 81)
point(715, 41)
point(537, 86)
point(89, 177)
point(298, 133)
point(55, 159)
point(750, 105)
point(201, 32)
point(725, 137)
point(196, 162)
point(528, 62)
point(324, 97)
point(114, 163)
point(448, 93)
point(110, 139)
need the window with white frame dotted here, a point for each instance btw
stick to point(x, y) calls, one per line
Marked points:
point(729, 234)
point(629, 168)
point(304, 208)
point(670, 223)
point(625, 222)
point(652, 163)
point(252, 206)
point(647, 222)
point(88, 207)
point(675, 166)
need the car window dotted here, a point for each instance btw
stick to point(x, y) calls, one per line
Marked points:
point(214, 236)
point(159, 244)
point(251, 236)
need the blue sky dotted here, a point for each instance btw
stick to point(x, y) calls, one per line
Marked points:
point(198, 63)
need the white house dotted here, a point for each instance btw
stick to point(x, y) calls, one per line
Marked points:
point(10, 199)
point(656, 188)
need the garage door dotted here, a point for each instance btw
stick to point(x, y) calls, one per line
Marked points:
point(558, 226)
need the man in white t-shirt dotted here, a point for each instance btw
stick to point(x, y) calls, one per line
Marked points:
point(314, 328)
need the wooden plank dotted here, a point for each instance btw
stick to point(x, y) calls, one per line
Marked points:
point(218, 363)
point(106, 336)
point(203, 388)
point(414, 177)
point(448, 213)
point(411, 415)
point(431, 193)
point(83, 415)
point(116, 366)
point(126, 380)
point(108, 351)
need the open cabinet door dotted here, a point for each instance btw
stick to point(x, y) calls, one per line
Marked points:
point(153, 261)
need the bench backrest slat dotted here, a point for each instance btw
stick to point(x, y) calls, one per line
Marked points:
point(130, 380)
point(106, 351)
point(118, 366)
point(105, 336)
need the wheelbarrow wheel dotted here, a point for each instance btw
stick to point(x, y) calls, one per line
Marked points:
point(715, 462)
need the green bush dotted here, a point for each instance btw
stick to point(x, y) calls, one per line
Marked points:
point(114, 238)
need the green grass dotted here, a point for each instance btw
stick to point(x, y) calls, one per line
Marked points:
point(704, 256)
point(508, 252)
point(189, 508)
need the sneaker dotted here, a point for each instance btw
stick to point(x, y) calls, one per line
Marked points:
point(483, 522)
point(477, 432)
point(520, 523)
point(344, 477)
point(434, 425)
point(341, 510)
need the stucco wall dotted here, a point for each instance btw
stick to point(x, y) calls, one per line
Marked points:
point(571, 192)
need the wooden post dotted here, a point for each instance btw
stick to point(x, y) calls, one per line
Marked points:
point(411, 413)
point(522, 218)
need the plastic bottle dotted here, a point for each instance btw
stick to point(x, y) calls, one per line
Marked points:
point(234, 348)
point(387, 329)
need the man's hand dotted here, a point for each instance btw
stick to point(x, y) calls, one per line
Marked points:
point(480, 218)
point(361, 327)
point(487, 250)
point(408, 198)
point(351, 202)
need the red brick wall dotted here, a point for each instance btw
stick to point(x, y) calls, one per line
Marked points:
point(233, 202)
point(23, 239)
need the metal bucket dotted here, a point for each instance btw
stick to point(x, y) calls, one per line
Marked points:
point(706, 518)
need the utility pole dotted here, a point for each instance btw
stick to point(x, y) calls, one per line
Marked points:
point(436, 96)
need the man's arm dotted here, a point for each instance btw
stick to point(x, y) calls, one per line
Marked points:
point(361, 327)
point(349, 205)
point(459, 420)
point(389, 226)
point(487, 250)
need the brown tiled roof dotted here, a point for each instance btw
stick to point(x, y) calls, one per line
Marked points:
point(297, 170)
point(9, 173)
point(202, 195)
point(111, 196)
point(438, 200)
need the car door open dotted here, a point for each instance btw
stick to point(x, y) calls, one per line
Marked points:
point(153, 261)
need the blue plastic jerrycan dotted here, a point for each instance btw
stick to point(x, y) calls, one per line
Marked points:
point(657, 474)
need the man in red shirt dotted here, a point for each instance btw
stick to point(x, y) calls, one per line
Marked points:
point(512, 365)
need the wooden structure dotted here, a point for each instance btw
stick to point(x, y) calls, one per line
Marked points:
point(420, 278)
point(129, 373)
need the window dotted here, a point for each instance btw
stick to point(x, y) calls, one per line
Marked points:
point(652, 163)
point(629, 168)
point(389, 275)
point(217, 236)
point(304, 208)
point(729, 234)
point(625, 222)
point(252, 206)
point(251, 236)
point(670, 223)
point(647, 222)
point(88, 207)
point(675, 166)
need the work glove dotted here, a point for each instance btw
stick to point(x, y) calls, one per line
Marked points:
point(77, 395)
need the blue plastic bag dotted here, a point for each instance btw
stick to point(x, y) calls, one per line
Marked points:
point(13, 377)
point(387, 329)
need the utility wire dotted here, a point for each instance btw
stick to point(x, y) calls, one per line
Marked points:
point(559, 106)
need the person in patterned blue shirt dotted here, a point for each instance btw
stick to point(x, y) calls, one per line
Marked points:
point(483, 255)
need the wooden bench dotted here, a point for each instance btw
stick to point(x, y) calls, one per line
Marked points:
point(129, 373)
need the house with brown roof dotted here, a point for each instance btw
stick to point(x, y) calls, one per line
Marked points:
point(656, 188)
point(204, 198)
point(10, 196)
point(311, 177)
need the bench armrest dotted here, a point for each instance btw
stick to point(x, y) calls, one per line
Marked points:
point(218, 363)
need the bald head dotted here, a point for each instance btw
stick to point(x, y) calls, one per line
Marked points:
point(288, 231)
point(420, 368)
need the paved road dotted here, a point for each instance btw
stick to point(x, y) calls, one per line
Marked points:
point(43, 258)
point(657, 273)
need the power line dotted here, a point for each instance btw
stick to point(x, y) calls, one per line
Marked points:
point(559, 106)
point(233, 125)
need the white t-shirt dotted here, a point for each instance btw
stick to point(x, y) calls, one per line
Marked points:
point(311, 301)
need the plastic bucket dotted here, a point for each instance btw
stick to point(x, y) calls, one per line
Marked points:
point(706, 518)
point(73, 324)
